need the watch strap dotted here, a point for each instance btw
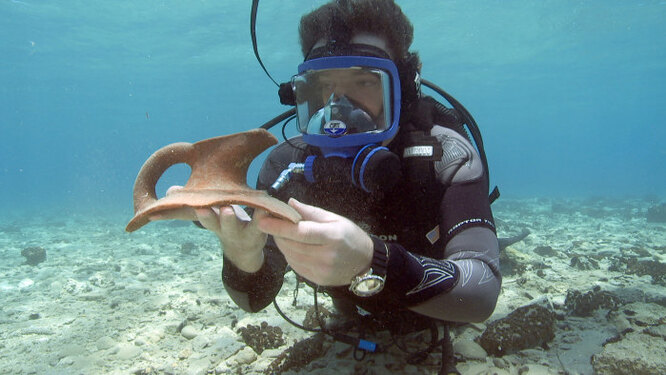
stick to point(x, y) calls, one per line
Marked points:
point(380, 257)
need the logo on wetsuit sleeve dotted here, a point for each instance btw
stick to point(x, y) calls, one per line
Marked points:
point(440, 273)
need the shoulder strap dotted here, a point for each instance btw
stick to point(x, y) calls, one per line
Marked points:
point(429, 112)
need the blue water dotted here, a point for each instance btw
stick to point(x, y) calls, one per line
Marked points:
point(570, 95)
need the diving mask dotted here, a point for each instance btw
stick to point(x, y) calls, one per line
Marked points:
point(347, 101)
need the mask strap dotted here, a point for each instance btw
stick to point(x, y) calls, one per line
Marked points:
point(335, 48)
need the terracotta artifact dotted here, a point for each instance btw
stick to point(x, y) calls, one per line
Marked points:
point(218, 178)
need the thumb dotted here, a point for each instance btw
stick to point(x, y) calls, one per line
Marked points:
point(312, 213)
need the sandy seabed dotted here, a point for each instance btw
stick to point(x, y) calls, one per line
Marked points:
point(105, 301)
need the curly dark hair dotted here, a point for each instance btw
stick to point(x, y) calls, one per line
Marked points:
point(341, 19)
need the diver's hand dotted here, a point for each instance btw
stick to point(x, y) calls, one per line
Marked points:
point(242, 242)
point(323, 247)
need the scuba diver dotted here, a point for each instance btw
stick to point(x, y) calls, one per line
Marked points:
point(394, 196)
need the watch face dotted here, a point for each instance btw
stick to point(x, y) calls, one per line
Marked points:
point(369, 286)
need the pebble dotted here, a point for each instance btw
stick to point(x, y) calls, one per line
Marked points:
point(189, 332)
point(198, 366)
point(154, 335)
point(157, 302)
point(69, 350)
point(185, 353)
point(271, 353)
point(622, 324)
point(222, 368)
point(469, 349)
point(535, 369)
point(571, 338)
point(128, 352)
point(66, 361)
point(227, 341)
point(246, 356)
point(104, 343)
point(26, 283)
point(201, 342)
point(501, 363)
point(56, 285)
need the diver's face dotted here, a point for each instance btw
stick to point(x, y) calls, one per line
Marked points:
point(361, 87)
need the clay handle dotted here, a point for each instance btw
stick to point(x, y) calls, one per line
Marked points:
point(154, 168)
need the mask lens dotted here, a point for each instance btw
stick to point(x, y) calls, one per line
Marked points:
point(340, 101)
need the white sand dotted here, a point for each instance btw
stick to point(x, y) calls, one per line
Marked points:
point(106, 301)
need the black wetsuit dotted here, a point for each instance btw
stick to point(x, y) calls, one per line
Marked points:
point(444, 254)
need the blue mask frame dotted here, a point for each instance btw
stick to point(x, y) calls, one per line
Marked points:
point(347, 145)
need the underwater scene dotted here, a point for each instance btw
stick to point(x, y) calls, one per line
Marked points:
point(570, 98)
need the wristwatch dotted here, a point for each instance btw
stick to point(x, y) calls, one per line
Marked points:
point(372, 282)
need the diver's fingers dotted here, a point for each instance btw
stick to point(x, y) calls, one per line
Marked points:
point(304, 231)
point(208, 217)
point(259, 213)
point(228, 218)
point(313, 213)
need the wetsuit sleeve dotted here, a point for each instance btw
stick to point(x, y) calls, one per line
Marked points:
point(254, 291)
point(462, 285)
